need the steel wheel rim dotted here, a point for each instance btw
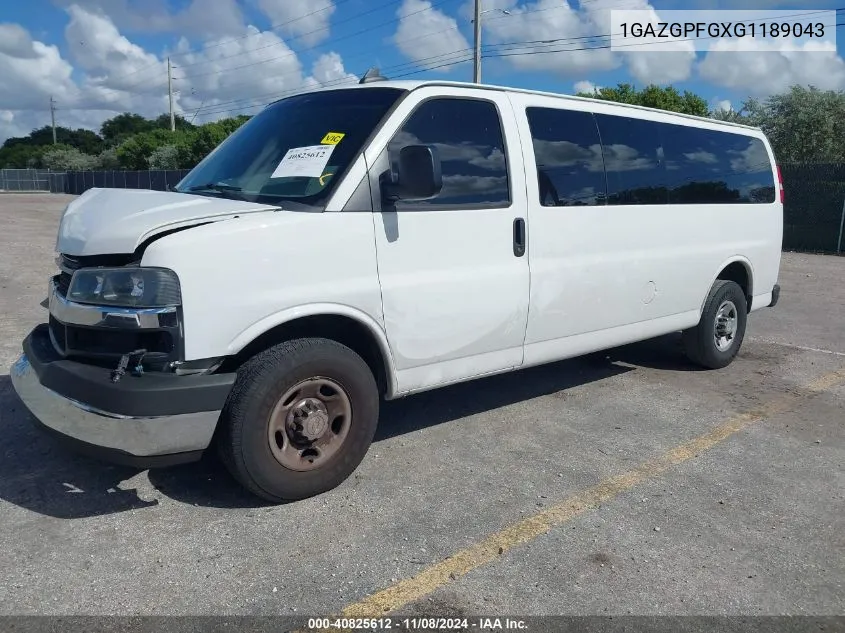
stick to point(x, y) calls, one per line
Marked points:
point(726, 324)
point(309, 424)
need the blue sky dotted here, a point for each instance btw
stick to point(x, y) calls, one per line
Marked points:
point(101, 57)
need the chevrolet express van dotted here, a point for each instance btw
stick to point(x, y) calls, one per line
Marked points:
point(356, 244)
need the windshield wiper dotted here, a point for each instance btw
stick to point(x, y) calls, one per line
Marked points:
point(215, 186)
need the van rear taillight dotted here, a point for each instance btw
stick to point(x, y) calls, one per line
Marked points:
point(780, 186)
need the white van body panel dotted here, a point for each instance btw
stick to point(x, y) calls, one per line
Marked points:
point(244, 276)
point(455, 298)
point(106, 221)
point(442, 291)
point(603, 276)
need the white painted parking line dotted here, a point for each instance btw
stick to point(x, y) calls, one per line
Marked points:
point(800, 347)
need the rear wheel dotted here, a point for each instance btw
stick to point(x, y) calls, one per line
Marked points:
point(716, 340)
point(299, 420)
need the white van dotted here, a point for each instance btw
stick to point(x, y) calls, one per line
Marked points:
point(348, 245)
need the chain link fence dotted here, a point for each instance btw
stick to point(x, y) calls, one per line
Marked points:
point(29, 180)
point(814, 210)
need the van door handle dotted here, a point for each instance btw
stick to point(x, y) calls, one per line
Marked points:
point(519, 237)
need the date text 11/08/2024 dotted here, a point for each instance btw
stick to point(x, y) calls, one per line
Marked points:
point(417, 624)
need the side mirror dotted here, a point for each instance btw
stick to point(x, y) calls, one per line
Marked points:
point(419, 176)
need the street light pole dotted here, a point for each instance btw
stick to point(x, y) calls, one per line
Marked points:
point(477, 57)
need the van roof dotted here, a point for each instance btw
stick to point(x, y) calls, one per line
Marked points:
point(413, 85)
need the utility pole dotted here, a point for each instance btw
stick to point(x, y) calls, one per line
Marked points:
point(477, 56)
point(53, 117)
point(170, 95)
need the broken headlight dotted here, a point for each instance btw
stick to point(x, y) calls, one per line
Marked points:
point(126, 287)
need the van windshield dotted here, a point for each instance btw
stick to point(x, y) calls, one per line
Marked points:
point(296, 149)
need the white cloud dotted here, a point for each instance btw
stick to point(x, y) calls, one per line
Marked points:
point(244, 72)
point(586, 87)
point(724, 105)
point(762, 73)
point(111, 74)
point(31, 72)
point(329, 68)
point(565, 39)
point(307, 19)
point(541, 23)
point(203, 18)
point(16, 42)
point(110, 59)
point(428, 36)
point(701, 156)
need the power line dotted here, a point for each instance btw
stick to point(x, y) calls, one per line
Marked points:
point(248, 51)
point(456, 58)
point(359, 55)
point(272, 27)
point(516, 52)
point(547, 43)
point(292, 52)
point(259, 48)
point(440, 61)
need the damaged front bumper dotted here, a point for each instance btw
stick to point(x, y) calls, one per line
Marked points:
point(156, 419)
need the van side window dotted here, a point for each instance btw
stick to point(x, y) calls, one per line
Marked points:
point(633, 159)
point(468, 136)
point(714, 167)
point(567, 149)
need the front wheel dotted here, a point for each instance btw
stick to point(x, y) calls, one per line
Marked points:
point(299, 420)
point(715, 341)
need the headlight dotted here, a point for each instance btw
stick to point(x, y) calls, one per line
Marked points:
point(126, 287)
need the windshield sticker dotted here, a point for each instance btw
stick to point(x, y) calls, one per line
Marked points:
point(304, 162)
point(332, 138)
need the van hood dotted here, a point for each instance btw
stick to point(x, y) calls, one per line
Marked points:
point(117, 221)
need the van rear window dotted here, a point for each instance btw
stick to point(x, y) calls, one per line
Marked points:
point(593, 159)
point(715, 167)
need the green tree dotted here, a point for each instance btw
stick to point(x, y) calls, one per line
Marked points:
point(653, 96)
point(803, 125)
point(124, 126)
point(163, 122)
point(84, 140)
point(135, 152)
point(164, 157)
point(21, 156)
point(108, 159)
point(64, 158)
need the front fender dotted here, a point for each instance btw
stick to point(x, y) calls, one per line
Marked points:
point(320, 309)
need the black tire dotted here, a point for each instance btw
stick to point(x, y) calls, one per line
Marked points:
point(700, 342)
point(243, 441)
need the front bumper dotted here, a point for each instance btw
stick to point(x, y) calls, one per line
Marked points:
point(150, 421)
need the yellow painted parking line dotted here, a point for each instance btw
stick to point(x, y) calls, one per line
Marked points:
point(489, 549)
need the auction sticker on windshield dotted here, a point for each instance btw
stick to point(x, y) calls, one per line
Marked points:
point(304, 162)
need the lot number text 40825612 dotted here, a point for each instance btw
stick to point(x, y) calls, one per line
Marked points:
point(417, 624)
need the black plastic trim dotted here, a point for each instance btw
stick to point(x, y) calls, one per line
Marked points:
point(154, 394)
point(775, 296)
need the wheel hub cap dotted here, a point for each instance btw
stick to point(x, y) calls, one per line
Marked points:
point(309, 424)
point(310, 419)
point(726, 325)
